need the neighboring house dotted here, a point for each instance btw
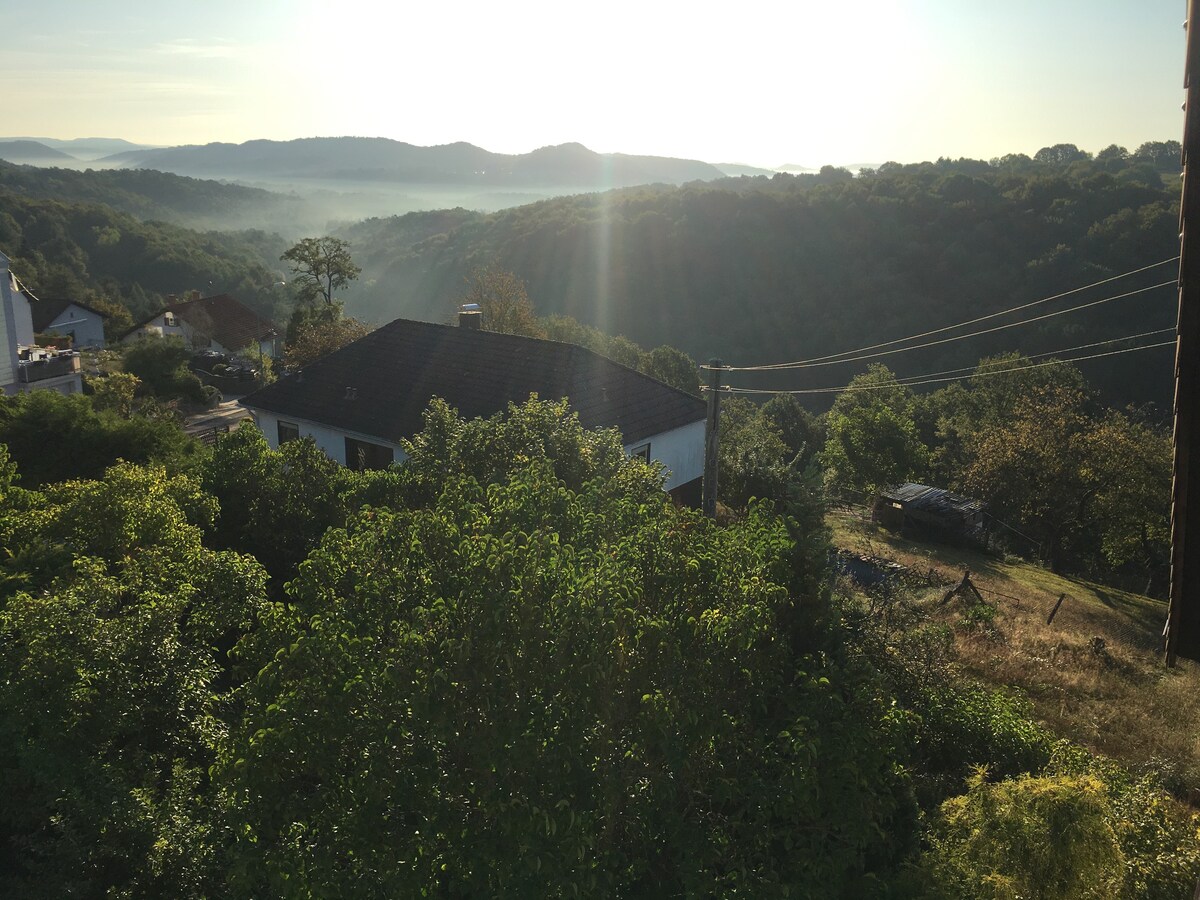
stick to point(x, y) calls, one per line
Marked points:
point(921, 511)
point(24, 367)
point(71, 318)
point(218, 323)
point(361, 401)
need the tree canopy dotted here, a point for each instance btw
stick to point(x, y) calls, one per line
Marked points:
point(320, 266)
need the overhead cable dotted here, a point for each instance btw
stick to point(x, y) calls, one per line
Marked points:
point(931, 380)
point(1131, 337)
point(945, 328)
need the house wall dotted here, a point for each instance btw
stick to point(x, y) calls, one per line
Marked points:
point(332, 441)
point(157, 327)
point(22, 319)
point(86, 326)
point(8, 331)
point(681, 450)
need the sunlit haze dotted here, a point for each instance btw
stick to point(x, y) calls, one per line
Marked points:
point(755, 82)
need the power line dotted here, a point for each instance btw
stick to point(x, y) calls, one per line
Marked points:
point(932, 380)
point(961, 337)
point(1131, 337)
point(974, 321)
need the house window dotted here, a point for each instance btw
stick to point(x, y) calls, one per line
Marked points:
point(169, 320)
point(288, 431)
point(362, 455)
point(642, 452)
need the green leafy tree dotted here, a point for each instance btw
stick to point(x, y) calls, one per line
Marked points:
point(802, 433)
point(53, 437)
point(120, 319)
point(1130, 464)
point(315, 332)
point(871, 437)
point(161, 366)
point(320, 266)
point(673, 367)
point(1032, 469)
point(536, 676)
point(115, 685)
point(274, 504)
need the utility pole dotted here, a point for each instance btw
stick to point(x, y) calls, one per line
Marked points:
point(1182, 634)
point(712, 438)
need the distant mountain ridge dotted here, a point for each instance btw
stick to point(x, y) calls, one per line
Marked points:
point(384, 159)
point(22, 150)
point(86, 148)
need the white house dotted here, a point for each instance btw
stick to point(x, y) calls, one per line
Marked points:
point(24, 367)
point(219, 323)
point(8, 327)
point(358, 403)
point(71, 318)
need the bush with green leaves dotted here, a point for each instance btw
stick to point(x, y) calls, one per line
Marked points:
point(53, 437)
point(113, 633)
point(535, 676)
point(274, 504)
point(161, 364)
point(1049, 838)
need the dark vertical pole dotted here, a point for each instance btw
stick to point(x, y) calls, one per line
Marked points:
point(712, 438)
point(1183, 618)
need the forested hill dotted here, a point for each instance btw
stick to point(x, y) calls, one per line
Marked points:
point(148, 194)
point(93, 253)
point(758, 270)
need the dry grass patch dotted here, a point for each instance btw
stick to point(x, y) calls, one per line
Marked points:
point(1095, 675)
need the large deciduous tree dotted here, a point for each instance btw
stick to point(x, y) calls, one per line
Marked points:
point(536, 676)
point(1032, 468)
point(314, 332)
point(504, 302)
point(321, 266)
point(871, 437)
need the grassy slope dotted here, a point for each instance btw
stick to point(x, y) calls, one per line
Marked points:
point(1120, 700)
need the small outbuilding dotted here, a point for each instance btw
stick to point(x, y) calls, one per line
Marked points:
point(930, 513)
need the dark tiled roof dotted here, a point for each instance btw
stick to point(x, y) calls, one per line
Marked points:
point(226, 320)
point(395, 371)
point(44, 312)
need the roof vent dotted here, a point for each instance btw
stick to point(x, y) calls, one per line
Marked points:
point(470, 316)
point(351, 393)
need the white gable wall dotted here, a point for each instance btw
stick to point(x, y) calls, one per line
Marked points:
point(23, 319)
point(86, 327)
point(681, 450)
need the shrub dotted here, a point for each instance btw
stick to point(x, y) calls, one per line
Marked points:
point(1047, 838)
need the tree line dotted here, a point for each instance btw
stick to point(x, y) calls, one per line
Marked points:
point(759, 270)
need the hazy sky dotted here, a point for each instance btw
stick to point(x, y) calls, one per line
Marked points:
point(758, 82)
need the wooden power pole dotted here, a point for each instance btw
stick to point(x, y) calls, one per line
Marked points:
point(1182, 634)
point(712, 439)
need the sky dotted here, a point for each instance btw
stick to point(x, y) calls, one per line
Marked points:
point(762, 83)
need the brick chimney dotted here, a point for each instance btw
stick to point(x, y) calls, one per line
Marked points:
point(470, 316)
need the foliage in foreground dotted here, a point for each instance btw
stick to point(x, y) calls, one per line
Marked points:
point(519, 671)
point(54, 438)
point(112, 643)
